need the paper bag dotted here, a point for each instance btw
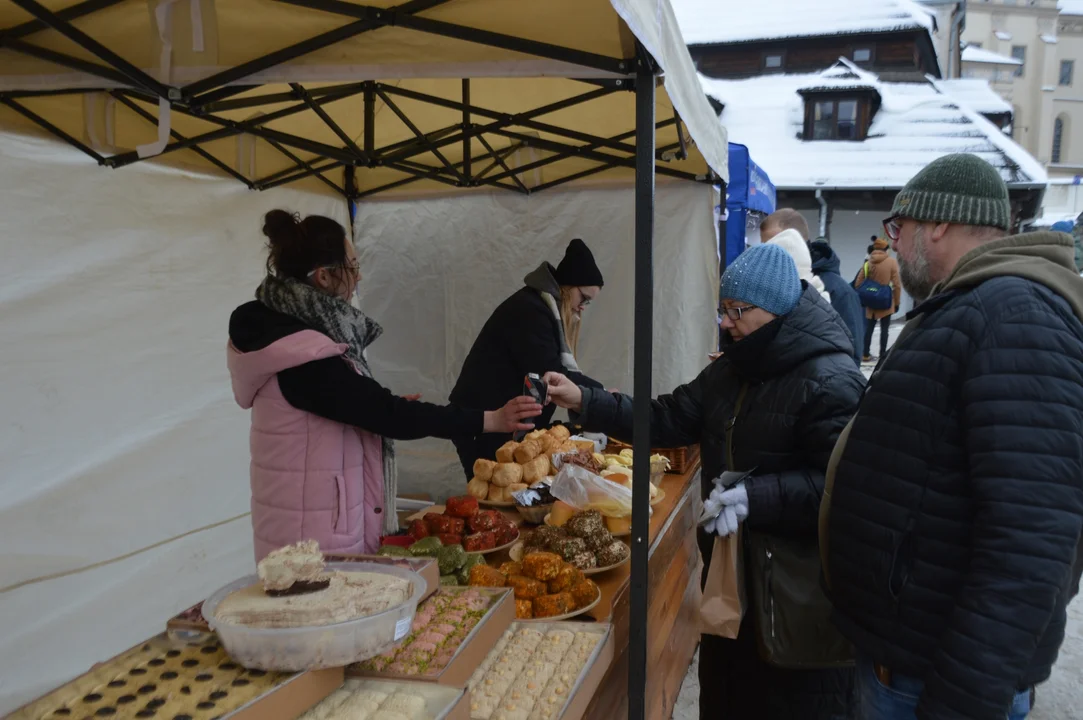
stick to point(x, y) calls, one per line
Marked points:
point(723, 603)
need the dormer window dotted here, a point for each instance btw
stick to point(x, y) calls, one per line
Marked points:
point(834, 119)
point(839, 114)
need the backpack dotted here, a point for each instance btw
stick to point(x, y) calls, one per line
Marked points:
point(874, 295)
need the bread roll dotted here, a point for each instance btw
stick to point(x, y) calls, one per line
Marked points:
point(568, 446)
point(535, 435)
point(527, 451)
point(536, 469)
point(560, 432)
point(483, 469)
point(506, 452)
point(514, 488)
point(478, 488)
point(549, 445)
point(497, 493)
point(506, 474)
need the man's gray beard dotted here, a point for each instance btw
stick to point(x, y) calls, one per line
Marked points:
point(916, 277)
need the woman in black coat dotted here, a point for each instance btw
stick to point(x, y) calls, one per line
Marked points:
point(536, 330)
point(791, 352)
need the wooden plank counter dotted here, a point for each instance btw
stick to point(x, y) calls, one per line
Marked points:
point(673, 603)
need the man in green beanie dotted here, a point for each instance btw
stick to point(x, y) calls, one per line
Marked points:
point(952, 517)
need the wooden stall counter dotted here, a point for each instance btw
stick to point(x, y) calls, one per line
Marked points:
point(673, 603)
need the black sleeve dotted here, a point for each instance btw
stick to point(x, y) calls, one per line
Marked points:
point(789, 502)
point(330, 389)
point(536, 349)
point(676, 419)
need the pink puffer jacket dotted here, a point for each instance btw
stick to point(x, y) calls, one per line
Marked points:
point(312, 478)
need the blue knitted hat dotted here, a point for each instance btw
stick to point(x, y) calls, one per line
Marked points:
point(764, 276)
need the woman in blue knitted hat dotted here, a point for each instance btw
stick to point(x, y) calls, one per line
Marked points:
point(772, 407)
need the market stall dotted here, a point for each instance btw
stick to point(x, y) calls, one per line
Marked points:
point(255, 91)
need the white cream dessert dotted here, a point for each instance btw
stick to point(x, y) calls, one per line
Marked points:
point(350, 595)
point(300, 563)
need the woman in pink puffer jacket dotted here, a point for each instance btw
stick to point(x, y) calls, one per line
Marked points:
point(323, 462)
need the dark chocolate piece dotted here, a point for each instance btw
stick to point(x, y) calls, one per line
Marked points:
point(302, 587)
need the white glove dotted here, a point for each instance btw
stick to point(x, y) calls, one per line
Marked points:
point(733, 509)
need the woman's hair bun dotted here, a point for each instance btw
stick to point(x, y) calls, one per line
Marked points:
point(281, 227)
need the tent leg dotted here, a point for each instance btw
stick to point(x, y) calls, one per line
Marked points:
point(643, 356)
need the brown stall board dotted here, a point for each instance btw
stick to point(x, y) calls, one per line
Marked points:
point(680, 646)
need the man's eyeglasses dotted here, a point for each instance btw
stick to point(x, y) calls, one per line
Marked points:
point(892, 227)
point(734, 313)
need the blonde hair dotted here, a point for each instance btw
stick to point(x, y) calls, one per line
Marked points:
point(569, 318)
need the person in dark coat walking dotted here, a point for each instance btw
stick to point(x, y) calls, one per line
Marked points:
point(536, 330)
point(792, 354)
point(952, 523)
point(825, 265)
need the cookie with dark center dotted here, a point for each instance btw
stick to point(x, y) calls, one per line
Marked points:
point(302, 587)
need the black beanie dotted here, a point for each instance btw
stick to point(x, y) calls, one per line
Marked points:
point(578, 268)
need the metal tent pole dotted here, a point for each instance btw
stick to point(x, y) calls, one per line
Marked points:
point(643, 354)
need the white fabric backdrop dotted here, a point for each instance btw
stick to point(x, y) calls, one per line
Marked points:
point(118, 430)
point(118, 427)
point(443, 265)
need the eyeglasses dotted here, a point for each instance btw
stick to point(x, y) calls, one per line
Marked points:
point(352, 266)
point(734, 313)
point(584, 299)
point(892, 227)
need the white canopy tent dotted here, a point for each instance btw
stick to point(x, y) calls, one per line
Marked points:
point(125, 489)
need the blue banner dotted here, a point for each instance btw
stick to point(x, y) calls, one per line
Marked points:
point(750, 189)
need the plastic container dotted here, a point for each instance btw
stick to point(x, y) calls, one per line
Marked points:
point(534, 515)
point(320, 646)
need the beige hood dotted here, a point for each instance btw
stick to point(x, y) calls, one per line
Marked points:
point(1047, 258)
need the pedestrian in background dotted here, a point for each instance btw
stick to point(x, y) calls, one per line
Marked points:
point(884, 270)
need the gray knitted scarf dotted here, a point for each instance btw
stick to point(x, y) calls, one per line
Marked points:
point(344, 324)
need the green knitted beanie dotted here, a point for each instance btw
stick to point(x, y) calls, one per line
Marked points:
point(961, 189)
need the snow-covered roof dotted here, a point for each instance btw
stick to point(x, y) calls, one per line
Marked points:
point(981, 55)
point(976, 93)
point(844, 75)
point(706, 22)
point(916, 123)
point(1070, 7)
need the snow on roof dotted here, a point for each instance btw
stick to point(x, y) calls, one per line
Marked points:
point(705, 22)
point(1070, 7)
point(972, 53)
point(976, 93)
point(843, 75)
point(916, 123)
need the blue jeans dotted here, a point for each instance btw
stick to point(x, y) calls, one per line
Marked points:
point(874, 701)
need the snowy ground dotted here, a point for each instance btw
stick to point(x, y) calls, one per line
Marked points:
point(1058, 699)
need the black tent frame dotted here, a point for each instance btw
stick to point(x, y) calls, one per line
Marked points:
point(134, 88)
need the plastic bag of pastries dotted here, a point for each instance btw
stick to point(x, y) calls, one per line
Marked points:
point(506, 452)
point(536, 469)
point(478, 488)
point(527, 451)
point(507, 474)
point(483, 469)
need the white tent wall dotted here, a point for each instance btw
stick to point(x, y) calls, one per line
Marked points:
point(119, 429)
point(435, 269)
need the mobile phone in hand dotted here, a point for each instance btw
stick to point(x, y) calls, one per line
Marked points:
point(535, 387)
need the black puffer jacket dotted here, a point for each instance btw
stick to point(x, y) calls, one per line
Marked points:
point(803, 388)
point(957, 505)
